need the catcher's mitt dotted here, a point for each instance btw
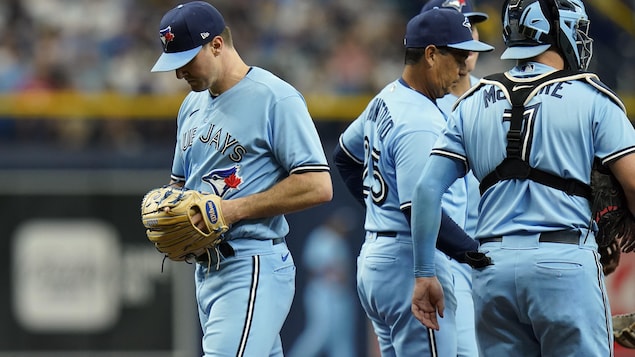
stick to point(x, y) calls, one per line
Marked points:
point(167, 214)
point(610, 211)
point(624, 329)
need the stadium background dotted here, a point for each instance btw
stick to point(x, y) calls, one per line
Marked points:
point(86, 129)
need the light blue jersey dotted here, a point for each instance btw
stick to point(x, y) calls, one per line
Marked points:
point(240, 143)
point(233, 146)
point(523, 205)
point(393, 138)
point(399, 121)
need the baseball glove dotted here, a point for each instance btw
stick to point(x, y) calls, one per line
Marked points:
point(167, 214)
point(610, 211)
point(624, 329)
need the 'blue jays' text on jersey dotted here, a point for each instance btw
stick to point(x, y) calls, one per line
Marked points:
point(245, 141)
point(397, 123)
point(565, 126)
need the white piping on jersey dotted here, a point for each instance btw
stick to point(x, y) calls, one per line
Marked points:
point(451, 155)
point(605, 298)
point(177, 178)
point(250, 306)
point(616, 155)
point(348, 153)
point(405, 205)
point(314, 167)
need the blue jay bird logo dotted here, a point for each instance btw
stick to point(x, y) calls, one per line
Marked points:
point(224, 180)
point(457, 4)
point(166, 36)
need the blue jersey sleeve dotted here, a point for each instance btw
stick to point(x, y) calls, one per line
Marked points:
point(351, 172)
point(453, 240)
point(294, 138)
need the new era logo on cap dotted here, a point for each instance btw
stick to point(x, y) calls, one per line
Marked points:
point(183, 32)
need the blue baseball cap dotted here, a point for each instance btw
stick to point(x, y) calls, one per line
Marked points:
point(463, 6)
point(183, 32)
point(442, 27)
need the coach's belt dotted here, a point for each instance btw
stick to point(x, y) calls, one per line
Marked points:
point(227, 251)
point(565, 237)
point(389, 234)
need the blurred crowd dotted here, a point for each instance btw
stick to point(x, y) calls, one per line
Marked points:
point(320, 46)
point(342, 47)
point(93, 45)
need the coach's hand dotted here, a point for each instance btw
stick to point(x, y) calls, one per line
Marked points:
point(427, 300)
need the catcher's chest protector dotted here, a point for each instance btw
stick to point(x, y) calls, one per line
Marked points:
point(519, 91)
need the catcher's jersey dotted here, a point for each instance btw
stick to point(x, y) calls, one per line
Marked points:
point(398, 122)
point(244, 142)
point(566, 125)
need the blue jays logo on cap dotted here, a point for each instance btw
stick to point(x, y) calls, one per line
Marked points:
point(166, 36)
point(223, 180)
point(184, 30)
point(457, 4)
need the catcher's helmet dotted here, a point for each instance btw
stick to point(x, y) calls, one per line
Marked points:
point(530, 27)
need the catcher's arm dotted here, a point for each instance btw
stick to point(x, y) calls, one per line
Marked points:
point(296, 192)
point(624, 171)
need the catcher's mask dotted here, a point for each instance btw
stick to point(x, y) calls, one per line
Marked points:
point(530, 27)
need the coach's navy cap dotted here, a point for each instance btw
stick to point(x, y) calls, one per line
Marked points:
point(184, 30)
point(442, 27)
point(463, 6)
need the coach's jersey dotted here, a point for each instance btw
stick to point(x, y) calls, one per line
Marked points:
point(244, 141)
point(398, 122)
point(461, 200)
point(566, 125)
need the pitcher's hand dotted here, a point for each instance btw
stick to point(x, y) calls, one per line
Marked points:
point(427, 301)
